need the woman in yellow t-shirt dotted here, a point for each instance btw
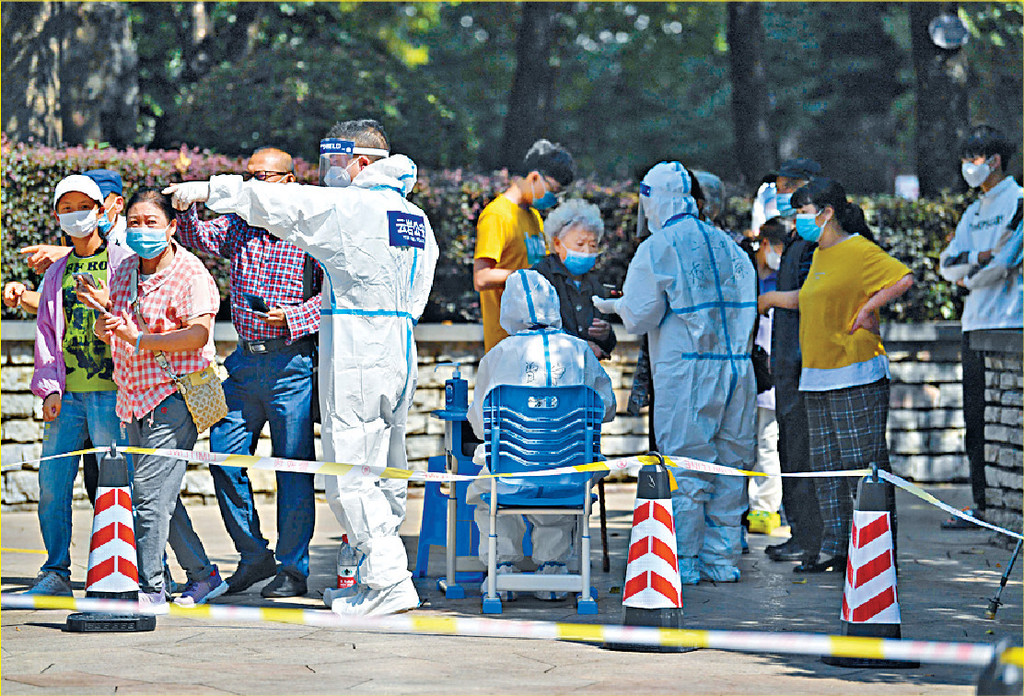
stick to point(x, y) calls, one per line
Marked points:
point(845, 374)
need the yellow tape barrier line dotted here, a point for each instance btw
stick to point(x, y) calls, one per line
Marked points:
point(6, 550)
point(339, 469)
point(929, 498)
point(746, 641)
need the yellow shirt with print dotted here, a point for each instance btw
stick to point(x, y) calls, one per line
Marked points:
point(512, 236)
point(841, 279)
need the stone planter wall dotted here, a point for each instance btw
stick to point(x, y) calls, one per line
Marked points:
point(926, 424)
point(1004, 426)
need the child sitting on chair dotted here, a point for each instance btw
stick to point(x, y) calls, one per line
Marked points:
point(537, 352)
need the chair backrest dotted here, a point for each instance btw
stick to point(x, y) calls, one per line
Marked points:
point(527, 428)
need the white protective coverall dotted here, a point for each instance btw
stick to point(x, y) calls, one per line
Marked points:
point(378, 255)
point(537, 352)
point(692, 290)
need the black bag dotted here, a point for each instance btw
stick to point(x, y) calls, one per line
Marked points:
point(762, 369)
point(308, 291)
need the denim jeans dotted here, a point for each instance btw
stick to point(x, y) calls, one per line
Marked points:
point(160, 518)
point(275, 387)
point(83, 415)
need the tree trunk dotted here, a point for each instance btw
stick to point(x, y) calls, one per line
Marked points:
point(745, 36)
point(942, 107)
point(32, 34)
point(99, 80)
point(531, 94)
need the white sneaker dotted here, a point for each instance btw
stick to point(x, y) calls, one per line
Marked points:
point(370, 602)
point(551, 568)
point(153, 603)
point(503, 595)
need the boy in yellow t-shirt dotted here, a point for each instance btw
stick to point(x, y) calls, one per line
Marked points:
point(509, 231)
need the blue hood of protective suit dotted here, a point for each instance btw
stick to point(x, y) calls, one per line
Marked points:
point(529, 302)
point(396, 172)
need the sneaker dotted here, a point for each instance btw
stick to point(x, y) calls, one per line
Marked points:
point(551, 568)
point(248, 574)
point(50, 584)
point(763, 522)
point(504, 595)
point(370, 602)
point(153, 603)
point(202, 591)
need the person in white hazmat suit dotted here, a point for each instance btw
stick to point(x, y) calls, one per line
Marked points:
point(537, 352)
point(692, 290)
point(378, 255)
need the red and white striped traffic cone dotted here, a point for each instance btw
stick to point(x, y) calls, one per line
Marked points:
point(870, 604)
point(113, 565)
point(652, 594)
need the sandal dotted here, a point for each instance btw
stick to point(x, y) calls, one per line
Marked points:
point(955, 522)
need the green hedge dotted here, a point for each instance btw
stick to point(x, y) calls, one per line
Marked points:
point(914, 232)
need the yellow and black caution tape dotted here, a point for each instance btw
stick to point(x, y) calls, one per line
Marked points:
point(743, 641)
point(619, 464)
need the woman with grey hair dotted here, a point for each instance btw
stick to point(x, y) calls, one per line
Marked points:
point(574, 230)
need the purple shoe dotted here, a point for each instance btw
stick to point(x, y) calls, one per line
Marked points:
point(202, 591)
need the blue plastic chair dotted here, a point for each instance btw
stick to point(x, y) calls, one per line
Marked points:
point(529, 429)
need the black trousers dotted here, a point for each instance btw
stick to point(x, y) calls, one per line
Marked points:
point(974, 416)
point(90, 471)
point(798, 494)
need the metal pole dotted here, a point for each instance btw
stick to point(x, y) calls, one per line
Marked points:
point(995, 602)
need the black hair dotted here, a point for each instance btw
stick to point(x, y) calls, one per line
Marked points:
point(821, 191)
point(987, 141)
point(773, 230)
point(364, 132)
point(768, 178)
point(695, 190)
point(550, 159)
point(154, 195)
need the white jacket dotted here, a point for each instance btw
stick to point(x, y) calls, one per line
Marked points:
point(996, 298)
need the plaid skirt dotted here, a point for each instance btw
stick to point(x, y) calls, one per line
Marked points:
point(846, 431)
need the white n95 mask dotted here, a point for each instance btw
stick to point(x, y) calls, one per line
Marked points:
point(975, 174)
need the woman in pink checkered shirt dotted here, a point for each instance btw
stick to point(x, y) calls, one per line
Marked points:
point(170, 290)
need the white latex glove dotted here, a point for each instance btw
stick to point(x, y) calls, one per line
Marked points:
point(183, 195)
point(608, 306)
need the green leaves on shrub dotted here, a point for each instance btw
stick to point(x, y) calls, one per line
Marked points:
point(914, 232)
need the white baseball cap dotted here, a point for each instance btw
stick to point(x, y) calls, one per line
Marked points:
point(80, 183)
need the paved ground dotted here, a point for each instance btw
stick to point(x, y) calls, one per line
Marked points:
point(945, 580)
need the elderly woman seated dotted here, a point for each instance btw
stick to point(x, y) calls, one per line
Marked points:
point(574, 230)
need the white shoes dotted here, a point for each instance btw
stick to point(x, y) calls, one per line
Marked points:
point(153, 603)
point(369, 602)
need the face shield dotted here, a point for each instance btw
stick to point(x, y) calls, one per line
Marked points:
point(642, 230)
point(664, 198)
point(335, 156)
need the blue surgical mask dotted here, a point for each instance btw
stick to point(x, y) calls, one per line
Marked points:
point(548, 200)
point(782, 203)
point(807, 227)
point(577, 263)
point(147, 242)
point(104, 224)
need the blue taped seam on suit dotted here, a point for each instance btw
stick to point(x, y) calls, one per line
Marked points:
point(734, 373)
